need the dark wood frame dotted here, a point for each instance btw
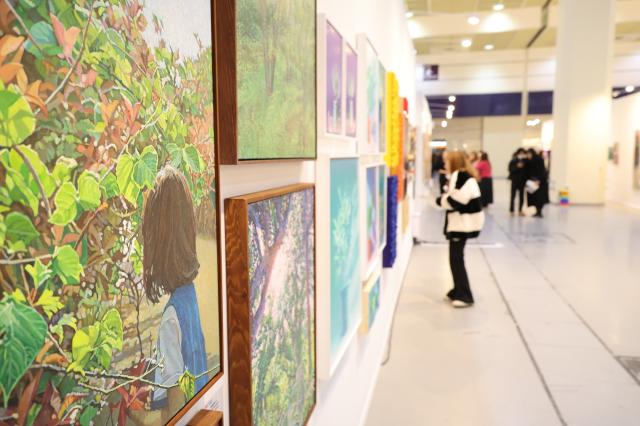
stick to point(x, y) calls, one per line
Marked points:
point(225, 56)
point(217, 127)
point(238, 311)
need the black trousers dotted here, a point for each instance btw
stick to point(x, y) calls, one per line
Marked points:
point(517, 188)
point(461, 290)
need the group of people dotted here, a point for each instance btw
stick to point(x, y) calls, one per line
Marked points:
point(528, 173)
point(466, 189)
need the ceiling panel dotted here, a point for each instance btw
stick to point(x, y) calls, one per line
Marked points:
point(435, 7)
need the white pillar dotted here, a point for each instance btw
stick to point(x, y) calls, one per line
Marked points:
point(582, 98)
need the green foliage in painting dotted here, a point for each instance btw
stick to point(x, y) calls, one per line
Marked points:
point(90, 110)
point(276, 78)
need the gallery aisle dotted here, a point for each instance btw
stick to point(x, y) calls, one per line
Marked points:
point(552, 338)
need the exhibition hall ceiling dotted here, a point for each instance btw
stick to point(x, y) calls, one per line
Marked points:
point(440, 26)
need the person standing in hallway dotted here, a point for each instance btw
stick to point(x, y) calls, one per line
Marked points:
point(518, 178)
point(483, 166)
point(538, 182)
point(464, 219)
point(438, 167)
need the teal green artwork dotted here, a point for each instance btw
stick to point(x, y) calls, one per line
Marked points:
point(345, 251)
point(276, 79)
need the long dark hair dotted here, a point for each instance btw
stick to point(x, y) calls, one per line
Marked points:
point(169, 235)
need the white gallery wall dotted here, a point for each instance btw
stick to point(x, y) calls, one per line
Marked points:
point(344, 398)
point(625, 122)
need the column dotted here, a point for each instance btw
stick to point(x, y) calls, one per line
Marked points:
point(582, 98)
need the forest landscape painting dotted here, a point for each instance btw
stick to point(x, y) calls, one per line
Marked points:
point(108, 215)
point(282, 308)
point(276, 84)
point(345, 251)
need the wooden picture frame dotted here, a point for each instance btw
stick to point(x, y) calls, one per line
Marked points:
point(239, 217)
point(228, 81)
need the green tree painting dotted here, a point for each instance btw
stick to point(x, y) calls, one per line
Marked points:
point(95, 99)
point(276, 68)
point(282, 306)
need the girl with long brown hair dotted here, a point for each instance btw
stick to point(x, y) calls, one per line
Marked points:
point(464, 220)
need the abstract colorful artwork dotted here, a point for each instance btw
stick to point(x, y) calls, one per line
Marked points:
point(352, 90)
point(345, 251)
point(270, 247)
point(275, 72)
point(370, 303)
point(371, 213)
point(334, 80)
point(108, 223)
point(382, 94)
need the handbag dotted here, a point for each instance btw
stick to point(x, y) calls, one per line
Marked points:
point(531, 186)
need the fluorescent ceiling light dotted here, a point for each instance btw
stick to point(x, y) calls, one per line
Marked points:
point(629, 89)
point(466, 42)
point(488, 47)
point(409, 15)
point(473, 20)
point(444, 123)
point(438, 144)
point(452, 98)
point(498, 7)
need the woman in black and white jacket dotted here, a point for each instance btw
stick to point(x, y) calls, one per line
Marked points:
point(464, 220)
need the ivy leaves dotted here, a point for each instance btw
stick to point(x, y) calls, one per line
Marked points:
point(93, 346)
point(22, 334)
point(16, 118)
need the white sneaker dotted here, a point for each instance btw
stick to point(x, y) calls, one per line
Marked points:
point(460, 304)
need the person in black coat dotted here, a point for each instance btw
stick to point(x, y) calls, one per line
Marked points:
point(518, 178)
point(537, 172)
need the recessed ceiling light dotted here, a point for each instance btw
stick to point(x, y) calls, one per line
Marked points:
point(498, 7)
point(451, 108)
point(473, 20)
point(452, 98)
point(616, 93)
point(409, 15)
point(629, 89)
point(466, 42)
point(444, 123)
point(488, 47)
point(449, 115)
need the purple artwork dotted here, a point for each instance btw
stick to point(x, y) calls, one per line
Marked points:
point(352, 86)
point(334, 80)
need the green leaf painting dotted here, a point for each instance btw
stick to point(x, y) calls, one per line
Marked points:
point(96, 98)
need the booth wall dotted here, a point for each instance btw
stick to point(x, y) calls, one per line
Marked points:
point(344, 398)
point(625, 123)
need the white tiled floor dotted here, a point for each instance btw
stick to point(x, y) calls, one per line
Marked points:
point(556, 303)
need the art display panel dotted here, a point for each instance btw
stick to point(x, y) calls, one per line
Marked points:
point(267, 79)
point(382, 205)
point(270, 251)
point(344, 252)
point(352, 91)
point(372, 213)
point(333, 114)
point(108, 225)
